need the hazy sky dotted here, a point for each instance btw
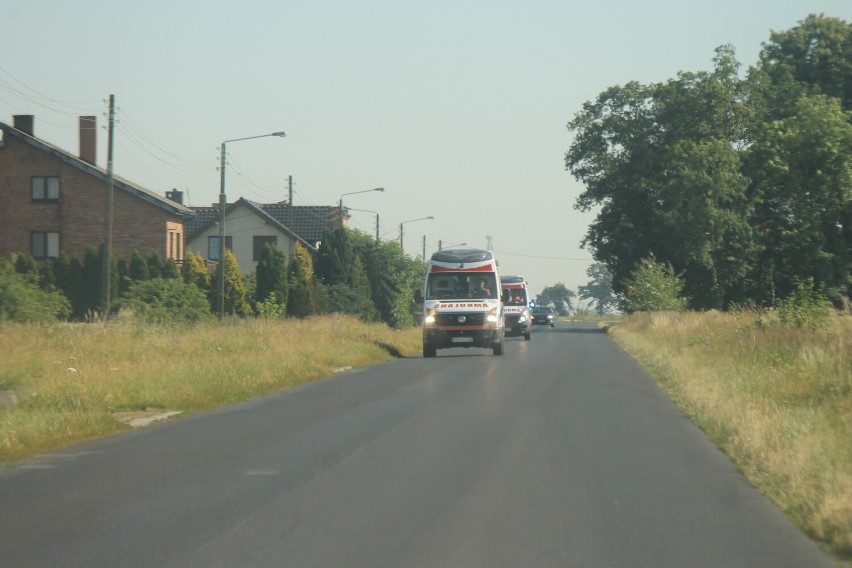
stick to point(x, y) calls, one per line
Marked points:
point(458, 108)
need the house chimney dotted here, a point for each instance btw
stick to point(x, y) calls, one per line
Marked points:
point(88, 139)
point(24, 123)
point(175, 195)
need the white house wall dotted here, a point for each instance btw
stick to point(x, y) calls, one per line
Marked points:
point(242, 225)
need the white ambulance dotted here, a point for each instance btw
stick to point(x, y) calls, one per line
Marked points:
point(462, 301)
point(516, 312)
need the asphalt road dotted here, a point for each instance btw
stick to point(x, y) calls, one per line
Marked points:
point(560, 453)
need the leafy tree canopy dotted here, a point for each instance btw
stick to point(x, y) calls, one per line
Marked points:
point(741, 185)
point(599, 289)
point(557, 296)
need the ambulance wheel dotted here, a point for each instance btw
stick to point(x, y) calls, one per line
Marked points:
point(429, 350)
point(498, 348)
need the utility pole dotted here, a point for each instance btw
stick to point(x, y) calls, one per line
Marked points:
point(424, 247)
point(290, 217)
point(107, 260)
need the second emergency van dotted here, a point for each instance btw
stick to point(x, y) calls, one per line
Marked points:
point(516, 312)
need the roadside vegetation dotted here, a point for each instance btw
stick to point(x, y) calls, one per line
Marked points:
point(737, 181)
point(773, 392)
point(350, 274)
point(63, 383)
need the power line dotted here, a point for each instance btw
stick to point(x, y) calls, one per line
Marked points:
point(244, 179)
point(200, 167)
point(36, 98)
point(196, 159)
point(193, 174)
point(543, 257)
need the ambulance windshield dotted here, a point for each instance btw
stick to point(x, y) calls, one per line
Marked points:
point(461, 286)
point(517, 297)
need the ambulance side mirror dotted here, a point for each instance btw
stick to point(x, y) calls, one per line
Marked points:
point(506, 295)
point(418, 296)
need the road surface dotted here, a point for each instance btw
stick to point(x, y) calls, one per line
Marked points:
point(561, 453)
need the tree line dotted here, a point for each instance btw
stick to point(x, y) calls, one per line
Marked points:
point(353, 274)
point(738, 185)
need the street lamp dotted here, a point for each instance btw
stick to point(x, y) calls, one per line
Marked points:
point(362, 191)
point(368, 211)
point(340, 203)
point(409, 221)
point(222, 203)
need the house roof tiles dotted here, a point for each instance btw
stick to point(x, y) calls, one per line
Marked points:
point(306, 221)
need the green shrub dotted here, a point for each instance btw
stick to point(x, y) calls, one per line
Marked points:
point(654, 287)
point(806, 307)
point(166, 300)
point(23, 300)
point(271, 309)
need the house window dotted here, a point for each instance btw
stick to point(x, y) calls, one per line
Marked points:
point(213, 247)
point(45, 188)
point(258, 246)
point(44, 245)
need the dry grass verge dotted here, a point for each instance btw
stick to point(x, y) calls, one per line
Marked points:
point(66, 383)
point(777, 400)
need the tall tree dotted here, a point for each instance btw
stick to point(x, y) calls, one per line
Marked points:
point(814, 57)
point(170, 269)
point(302, 296)
point(76, 292)
point(393, 277)
point(235, 288)
point(139, 269)
point(802, 184)
point(661, 162)
point(335, 258)
point(92, 292)
point(599, 289)
point(194, 271)
point(272, 279)
point(559, 296)
point(800, 162)
point(342, 269)
point(155, 265)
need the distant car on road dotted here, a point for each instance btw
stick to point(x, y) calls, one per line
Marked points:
point(544, 315)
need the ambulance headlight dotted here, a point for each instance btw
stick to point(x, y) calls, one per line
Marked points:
point(492, 316)
point(429, 319)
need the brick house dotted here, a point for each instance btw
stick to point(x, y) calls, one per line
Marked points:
point(52, 201)
point(250, 225)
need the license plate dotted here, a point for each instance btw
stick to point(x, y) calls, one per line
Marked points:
point(461, 339)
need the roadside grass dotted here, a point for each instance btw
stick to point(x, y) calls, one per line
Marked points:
point(776, 400)
point(65, 383)
point(589, 317)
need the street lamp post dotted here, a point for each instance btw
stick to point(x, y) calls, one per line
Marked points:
point(409, 221)
point(369, 211)
point(222, 204)
point(340, 203)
